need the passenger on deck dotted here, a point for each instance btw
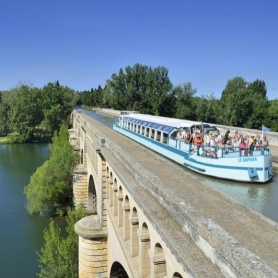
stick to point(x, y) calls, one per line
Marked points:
point(181, 134)
point(242, 146)
point(189, 138)
point(235, 144)
point(206, 138)
point(253, 146)
point(265, 141)
point(236, 135)
point(259, 141)
point(226, 137)
point(212, 146)
point(198, 141)
point(265, 144)
point(250, 143)
point(219, 139)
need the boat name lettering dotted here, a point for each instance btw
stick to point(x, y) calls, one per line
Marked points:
point(247, 159)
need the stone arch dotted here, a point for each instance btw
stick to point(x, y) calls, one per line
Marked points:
point(126, 222)
point(117, 270)
point(177, 275)
point(159, 265)
point(115, 199)
point(134, 242)
point(120, 206)
point(144, 246)
point(92, 196)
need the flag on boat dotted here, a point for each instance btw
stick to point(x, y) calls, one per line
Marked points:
point(265, 129)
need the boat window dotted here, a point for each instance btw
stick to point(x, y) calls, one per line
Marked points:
point(143, 130)
point(174, 134)
point(152, 133)
point(158, 135)
point(147, 132)
point(165, 138)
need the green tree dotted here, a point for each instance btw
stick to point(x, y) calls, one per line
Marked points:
point(140, 88)
point(234, 102)
point(243, 104)
point(59, 255)
point(57, 104)
point(50, 188)
point(185, 104)
point(25, 111)
point(206, 108)
point(258, 106)
point(4, 113)
point(93, 98)
point(159, 89)
point(272, 115)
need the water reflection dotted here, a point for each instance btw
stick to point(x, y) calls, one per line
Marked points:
point(260, 197)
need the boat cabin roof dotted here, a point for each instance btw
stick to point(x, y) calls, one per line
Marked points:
point(164, 124)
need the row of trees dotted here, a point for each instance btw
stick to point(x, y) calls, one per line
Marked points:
point(33, 112)
point(150, 91)
point(50, 192)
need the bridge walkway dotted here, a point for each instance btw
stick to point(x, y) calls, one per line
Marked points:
point(186, 193)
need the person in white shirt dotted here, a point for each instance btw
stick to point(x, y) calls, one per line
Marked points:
point(181, 134)
point(213, 146)
point(206, 138)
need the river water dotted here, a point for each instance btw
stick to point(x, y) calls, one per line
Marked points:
point(21, 234)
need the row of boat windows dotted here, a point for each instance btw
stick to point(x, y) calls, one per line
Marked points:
point(148, 132)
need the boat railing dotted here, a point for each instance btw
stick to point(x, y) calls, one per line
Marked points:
point(225, 151)
point(229, 151)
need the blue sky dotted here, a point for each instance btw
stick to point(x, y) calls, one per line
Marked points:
point(82, 43)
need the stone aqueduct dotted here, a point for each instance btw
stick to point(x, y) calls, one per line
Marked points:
point(147, 230)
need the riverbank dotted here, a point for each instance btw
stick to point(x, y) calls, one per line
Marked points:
point(4, 139)
point(11, 138)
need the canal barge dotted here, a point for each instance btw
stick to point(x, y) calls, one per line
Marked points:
point(160, 134)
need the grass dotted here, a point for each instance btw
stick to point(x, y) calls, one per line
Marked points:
point(4, 138)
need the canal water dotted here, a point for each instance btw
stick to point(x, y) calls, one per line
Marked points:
point(21, 234)
point(261, 197)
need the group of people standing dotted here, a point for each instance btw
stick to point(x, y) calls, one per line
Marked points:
point(246, 144)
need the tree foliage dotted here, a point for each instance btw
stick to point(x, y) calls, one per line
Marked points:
point(4, 113)
point(25, 111)
point(272, 115)
point(28, 110)
point(243, 104)
point(57, 102)
point(140, 88)
point(59, 255)
point(185, 105)
point(50, 188)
